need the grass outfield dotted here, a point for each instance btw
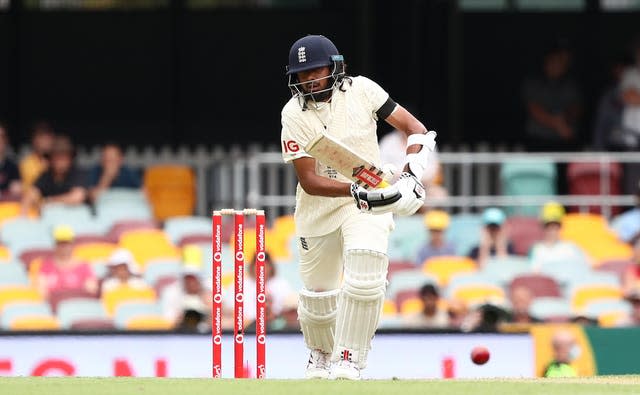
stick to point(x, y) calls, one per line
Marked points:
point(607, 385)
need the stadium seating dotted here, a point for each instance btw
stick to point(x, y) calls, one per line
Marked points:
point(523, 232)
point(389, 308)
point(178, 227)
point(584, 179)
point(5, 254)
point(504, 269)
point(407, 238)
point(121, 196)
point(411, 306)
point(70, 311)
point(615, 266)
point(404, 295)
point(93, 325)
point(478, 294)
point(546, 308)
point(148, 323)
point(148, 244)
point(114, 213)
point(35, 323)
point(94, 252)
point(399, 266)
point(409, 280)
point(444, 267)
point(540, 285)
point(113, 298)
point(58, 296)
point(9, 211)
point(171, 190)
point(528, 178)
point(564, 271)
point(13, 311)
point(610, 319)
point(122, 226)
point(21, 234)
point(15, 294)
point(157, 269)
point(13, 274)
point(125, 312)
point(598, 308)
point(468, 279)
point(56, 214)
point(464, 232)
point(582, 295)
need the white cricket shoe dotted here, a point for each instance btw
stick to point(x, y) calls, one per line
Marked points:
point(318, 365)
point(345, 370)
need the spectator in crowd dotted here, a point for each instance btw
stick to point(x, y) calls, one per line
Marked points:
point(62, 271)
point(493, 239)
point(187, 303)
point(278, 291)
point(122, 271)
point(431, 315)
point(437, 222)
point(631, 276)
point(10, 186)
point(457, 313)
point(61, 183)
point(521, 298)
point(633, 318)
point(552, 103)
point(393, 147)
point(37, 161)
point(608, 133)
point(551, 249)
point(565, 350)
point(630, 93)
point(111, 172)
point(627, 224)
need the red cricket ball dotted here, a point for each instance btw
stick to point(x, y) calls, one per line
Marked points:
point(480, 355)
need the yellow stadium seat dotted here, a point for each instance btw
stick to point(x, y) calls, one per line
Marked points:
point(171, 190)
point(477, 294)
point(610, 319)
point(411, 306)
point(5, 254)
point(444, 267)
point(575, 222)
point(603, 251)
point(590, 293)
point(148, 323)
point(11, 210)
point(227, 279)
point(389, 308)
point(148, 244)
point(94, 252)
point(35, 323)
point(111, 299)
point(18, 294)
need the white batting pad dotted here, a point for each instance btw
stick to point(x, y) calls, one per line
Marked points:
point(317, 315)
point(360, 304)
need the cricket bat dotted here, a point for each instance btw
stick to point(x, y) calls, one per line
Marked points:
point(341, 158)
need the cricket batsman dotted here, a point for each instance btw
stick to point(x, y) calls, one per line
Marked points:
point(343, 228)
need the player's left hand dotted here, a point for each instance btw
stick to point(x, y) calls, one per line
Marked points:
point(413, 195)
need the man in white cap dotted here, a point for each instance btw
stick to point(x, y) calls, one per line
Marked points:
point(122, 272)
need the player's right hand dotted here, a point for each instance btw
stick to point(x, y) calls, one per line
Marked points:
point(377, 201)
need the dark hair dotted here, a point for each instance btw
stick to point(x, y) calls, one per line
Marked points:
point(41, 127)
point(267, 261)
point(429, 289)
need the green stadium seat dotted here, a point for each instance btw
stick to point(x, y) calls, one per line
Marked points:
point(528, 178)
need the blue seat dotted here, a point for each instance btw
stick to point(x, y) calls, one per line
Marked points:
point(21, 309)
point(528, 178)
point(56, 214)
point(464, 279)
point(549, 307)
point(13, 273)
point(118, 196)
point(21, 234)
point(408, 280)
point(595, 309)
point(75, 309)
point(178, 227)
point(563, 272)
point(506, 269)
point(154, 270)
point(464, 232)
point(126, 311)
point(112, 213)
point(407, 238)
